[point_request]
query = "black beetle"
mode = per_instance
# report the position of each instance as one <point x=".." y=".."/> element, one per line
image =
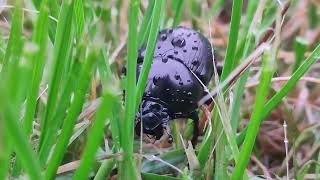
<point x="182" y="65"/>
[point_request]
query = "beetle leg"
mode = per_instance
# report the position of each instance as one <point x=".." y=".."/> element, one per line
<point x="194" y="116"/>
<point x="167" y="132"/>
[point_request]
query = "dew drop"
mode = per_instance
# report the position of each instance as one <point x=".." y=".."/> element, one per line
<point x="189" y="93"/>
<point x="178" y="41"/>
<point x="177" y="76"/>
<point x="178" y="90"/>
<point x="195" y="62"/>
<point x="182" y="100"/>
<point x="165" y="59"/>
<point x="167" y="89"/>
<point x="156" y="79"/>
<point x="195" y="48"/>
<point x="163" y="37"/>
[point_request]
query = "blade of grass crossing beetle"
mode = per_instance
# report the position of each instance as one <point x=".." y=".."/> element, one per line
<point x="75" y="109"/>
<point x="61" y="50"/>
<point x="126" y="167"/>
<point x="109" y="101"/>
<point x="155" y="24"/>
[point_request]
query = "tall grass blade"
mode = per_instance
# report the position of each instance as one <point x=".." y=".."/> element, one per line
<point x="17" y="136"/>
<point x="75" y="109"/>
<point x="126" y="167"/>
<point x="110" y="101"/>
<point x="61" y="54"/>
<point x="79" y="16"/>
<point x="40" y="38"/>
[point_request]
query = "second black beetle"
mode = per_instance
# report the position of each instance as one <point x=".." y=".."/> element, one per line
<point x="182" y="66"/>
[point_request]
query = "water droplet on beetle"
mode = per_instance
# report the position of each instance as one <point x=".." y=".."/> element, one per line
<point x="167" y="89"/>
<point x="178" y="90"/>
<point x="195" y="62"/>
<point x="189" y="93"/>
<point x="195" y="48"/>
<point x="177" y="76"/>
<point x="178" y="42"/>
<point x="165" y="59"/>
<point x="163" y="37"/>
<point x="156" y="79"/>
<point x="182" y="100"/>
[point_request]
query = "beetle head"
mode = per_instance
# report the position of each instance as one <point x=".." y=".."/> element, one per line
<point x="154" y="118"/>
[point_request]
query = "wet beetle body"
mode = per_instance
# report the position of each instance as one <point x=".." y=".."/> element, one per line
<point x="182" y="58"/>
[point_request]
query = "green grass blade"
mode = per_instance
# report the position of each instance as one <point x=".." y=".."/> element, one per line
<point x="105" y="169"/>
<point x="109" y="102"/>
<point x="221" y="160"/>
<point x="145" y="25"/>
<point x="253" y="127"/>
<point x="289" y="85"/>
<point x="178" y="13"/>
<point x="215" y="7"/>
<point x="126" y="168"/>
<point x="61" y="51"/>
<point x="17" y="136"/>
<point x="15" y="43"/>
<point x="40" y="38"/>
<point x="300" y="47"/>
<point x="75" y="109"/>
<point x="79" y="16"/>
<point x="155" y="23"/>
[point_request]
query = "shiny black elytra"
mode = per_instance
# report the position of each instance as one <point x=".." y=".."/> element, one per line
<point x="173" y="89"/>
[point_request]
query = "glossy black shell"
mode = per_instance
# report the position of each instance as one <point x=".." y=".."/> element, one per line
<point x="181" y="55"/>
